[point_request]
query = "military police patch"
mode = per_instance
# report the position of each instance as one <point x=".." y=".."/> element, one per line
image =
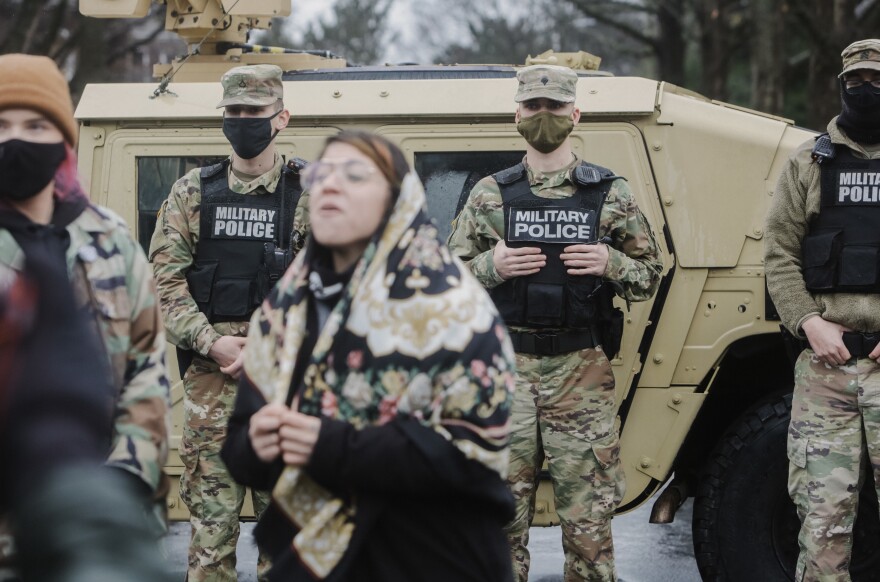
<point x="551" y="224"/>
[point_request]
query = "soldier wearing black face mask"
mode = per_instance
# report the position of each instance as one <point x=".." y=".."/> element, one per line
<point x="223" y="237"/>
<point x="822" y="253"/>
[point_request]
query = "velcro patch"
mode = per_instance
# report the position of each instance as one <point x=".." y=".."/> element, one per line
<point x="547" y="224"/>
<point x="858" y="188"/>
<point x="240" y="222"/>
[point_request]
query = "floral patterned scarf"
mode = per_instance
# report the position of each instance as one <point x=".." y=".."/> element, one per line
<point x="413" y="334"/>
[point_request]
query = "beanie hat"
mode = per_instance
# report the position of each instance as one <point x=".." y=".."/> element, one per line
<point x="34" y="82"/>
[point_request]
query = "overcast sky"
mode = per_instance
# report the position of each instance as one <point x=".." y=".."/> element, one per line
<point x="401" y="17"/>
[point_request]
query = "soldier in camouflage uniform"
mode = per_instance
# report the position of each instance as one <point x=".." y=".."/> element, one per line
<point x="545" y="238"/>
<point x="210" y="283"/>
<point x="43" y="209"/>
<point x="823" y="232"/>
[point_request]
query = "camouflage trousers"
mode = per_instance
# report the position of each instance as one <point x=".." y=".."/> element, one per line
<point x="210" y="493"/>
<point x="835" y="422"/>
<point x="564" y="410"/>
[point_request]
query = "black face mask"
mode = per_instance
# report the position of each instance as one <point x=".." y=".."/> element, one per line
<point x="27" y="167"/>
<point x="249" y="136"/>
<point x="860" y="117"/>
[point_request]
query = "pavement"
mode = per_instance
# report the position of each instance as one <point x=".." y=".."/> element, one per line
<point x="644" y="552"/>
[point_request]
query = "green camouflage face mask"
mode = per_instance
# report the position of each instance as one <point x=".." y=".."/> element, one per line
<point x="545" y="131"/>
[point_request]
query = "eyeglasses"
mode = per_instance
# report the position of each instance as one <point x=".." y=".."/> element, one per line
<point x="350" y="171"/>
<point x="855" y="83"/>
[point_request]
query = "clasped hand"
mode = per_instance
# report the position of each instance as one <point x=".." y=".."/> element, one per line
<point x="581" y="259"/>
<point x="276" y="430"/>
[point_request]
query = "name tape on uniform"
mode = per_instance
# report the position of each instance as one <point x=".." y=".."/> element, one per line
<point x="863" y="187"/>
<point x="242" y="222"/>
<point x="551" y="225"/>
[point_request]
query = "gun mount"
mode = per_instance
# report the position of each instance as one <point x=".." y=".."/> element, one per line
<point x="216" y="34"/>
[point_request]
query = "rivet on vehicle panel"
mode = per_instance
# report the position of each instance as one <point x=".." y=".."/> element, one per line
<point x="747" y="300"/>
<point x="759" y="231"/>
<point x="657" y="147"/>
<point x="383" y="94"/>
<point x="677" y="399"/>
<point x="97" y="135"/>
<point x="667" y="201"/>
<point x="645" y="462"/>
<point x="540" y="508"/>
<point x="658" y="358"/>
<point x="593" y="91"/>
<point x="337" y="94"/>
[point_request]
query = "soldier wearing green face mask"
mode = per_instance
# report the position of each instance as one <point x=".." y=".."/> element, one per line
<point x="554" y="239"/>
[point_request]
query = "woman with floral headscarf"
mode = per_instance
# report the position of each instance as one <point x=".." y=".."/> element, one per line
<point x="376" y="390"/>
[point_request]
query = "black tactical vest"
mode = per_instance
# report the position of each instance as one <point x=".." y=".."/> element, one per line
<point x="230" y="274"/>
<point x="552" y="298"/>
<point x="841" y="253"/>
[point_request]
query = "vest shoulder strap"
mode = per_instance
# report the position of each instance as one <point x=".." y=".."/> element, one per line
<point x="510" y="175"/>
<point x="213" y="178"/>
<point x="824" y="149"/>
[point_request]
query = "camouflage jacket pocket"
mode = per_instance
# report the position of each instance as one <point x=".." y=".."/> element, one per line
<point x="797" y="448"/>
<point x="607" y="450"/>
<point x="105" y="279"/>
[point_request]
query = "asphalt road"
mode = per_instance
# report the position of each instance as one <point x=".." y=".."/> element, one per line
<point x="644" y="552"/>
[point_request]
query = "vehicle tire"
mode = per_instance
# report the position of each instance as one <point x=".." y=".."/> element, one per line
<point x="745" y="525"/>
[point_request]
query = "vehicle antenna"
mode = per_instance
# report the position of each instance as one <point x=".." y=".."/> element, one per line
<point x="162" y="89"/>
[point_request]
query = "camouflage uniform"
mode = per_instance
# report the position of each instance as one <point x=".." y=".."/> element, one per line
<point x="835" y="416"/>
<point x="214" y="499"/>
<point x="564" y="404"/>
<point x="112" y="278"/>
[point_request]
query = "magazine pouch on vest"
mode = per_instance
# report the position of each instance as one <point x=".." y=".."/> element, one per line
<point x="551" y="298"/>
<point x="244" y="243"/>
<point x="841" y="253"/>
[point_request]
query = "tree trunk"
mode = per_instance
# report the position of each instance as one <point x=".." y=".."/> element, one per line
<point x="671" y="46"/>
<point x="767" y="55"/>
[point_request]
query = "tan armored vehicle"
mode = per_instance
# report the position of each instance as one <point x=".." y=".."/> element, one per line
<point x="704" y="378"/>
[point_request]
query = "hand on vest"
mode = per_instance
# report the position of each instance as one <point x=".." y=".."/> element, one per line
<point x="517" y="262"/>
<point x="227" y="351"/>
<point x="299" y="433"/>
<point x="586" y="259"/>
<point x="263" y="431"/>
<point x="826" y="339"/>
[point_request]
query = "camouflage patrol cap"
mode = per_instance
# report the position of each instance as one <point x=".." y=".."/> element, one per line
<point x="252" y="85"/>
<point x="862" y="54"/>
<point x="548" y="81"/>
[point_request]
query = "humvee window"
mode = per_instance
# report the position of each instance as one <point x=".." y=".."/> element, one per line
<point x="449" y="176"/>
<point x="155" y="176"/>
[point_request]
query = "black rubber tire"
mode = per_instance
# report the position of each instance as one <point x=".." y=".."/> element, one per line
<point x="745" y="525"/>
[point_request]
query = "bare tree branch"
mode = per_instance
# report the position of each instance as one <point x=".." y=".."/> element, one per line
<point x="590" y="9"/>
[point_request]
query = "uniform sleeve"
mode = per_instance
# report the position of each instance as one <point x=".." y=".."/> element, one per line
<point x="301" y="222"/>
<point x="142" y="416"/>
<point x="171" y="252"/>
<point x="477" y="230"/>
<point x="634" y="260"/>
<point x="786" y="227"/>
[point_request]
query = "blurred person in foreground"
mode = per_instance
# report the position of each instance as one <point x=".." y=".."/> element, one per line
<point x="44" y="210"/>
<point x="376" y="391"/>
<point x="822" y="253"/>
<point x="73" y="518"/>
